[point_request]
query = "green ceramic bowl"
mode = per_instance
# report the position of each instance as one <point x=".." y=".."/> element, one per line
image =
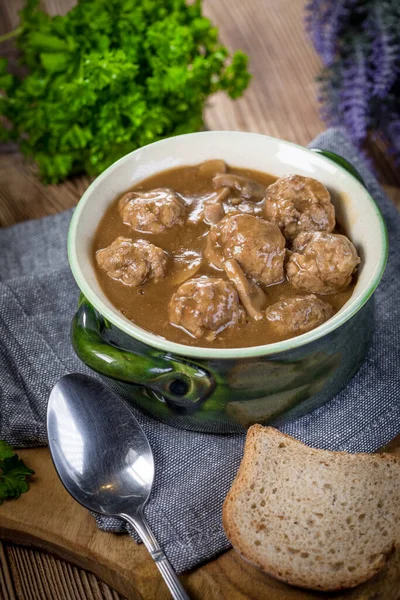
<point x="214" y="389"/>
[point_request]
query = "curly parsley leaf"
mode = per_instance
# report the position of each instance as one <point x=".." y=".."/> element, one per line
<point x="110" y="76"/>
<point x="13" y="473"/>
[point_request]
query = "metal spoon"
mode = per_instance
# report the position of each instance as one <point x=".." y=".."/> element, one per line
<point x="104" y="459"/>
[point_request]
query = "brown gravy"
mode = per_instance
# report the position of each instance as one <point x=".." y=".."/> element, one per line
<point x="147" y="305"/>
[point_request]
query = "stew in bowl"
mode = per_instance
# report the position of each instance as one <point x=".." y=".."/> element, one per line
<point x="215" y="256"/>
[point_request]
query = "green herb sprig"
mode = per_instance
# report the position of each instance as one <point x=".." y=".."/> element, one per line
<point x="13" y="473"/>
<point x="110" y="76"/>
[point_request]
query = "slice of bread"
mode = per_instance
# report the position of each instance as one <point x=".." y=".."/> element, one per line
<point x="313" y="518"/>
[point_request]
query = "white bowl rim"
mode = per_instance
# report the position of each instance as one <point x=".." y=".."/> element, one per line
<point x="276" y="348"/>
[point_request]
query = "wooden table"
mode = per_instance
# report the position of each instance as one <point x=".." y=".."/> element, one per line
<point x="281" y="102"/>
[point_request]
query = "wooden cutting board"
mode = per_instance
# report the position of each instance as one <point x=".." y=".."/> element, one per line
<point x="48" y="518"/>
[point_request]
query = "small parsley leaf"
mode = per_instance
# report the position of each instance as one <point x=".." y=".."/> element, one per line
<point x="13" y="473"/>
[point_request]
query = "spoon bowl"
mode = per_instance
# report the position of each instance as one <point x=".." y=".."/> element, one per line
<point x="101" y="454"/>
<point x="104" y="459"/>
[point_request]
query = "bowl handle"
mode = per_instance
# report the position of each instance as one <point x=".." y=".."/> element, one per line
<point x="182" y="384"/>
<point x="341" y="162"/>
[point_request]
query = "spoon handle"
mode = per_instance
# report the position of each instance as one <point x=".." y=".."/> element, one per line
<point x="141" y="526"/>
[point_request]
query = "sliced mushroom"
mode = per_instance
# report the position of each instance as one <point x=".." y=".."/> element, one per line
<point x="222" y="194"/>
<point x="251" y="295"/>
<point x="209" y="168"/>
<point x="185" y="266"/>
<point x="213" y="208"/>
<point x="213" y="212"/>
<point x="247" y="188"/>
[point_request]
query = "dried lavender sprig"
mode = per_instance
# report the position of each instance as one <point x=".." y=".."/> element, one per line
<point x="334" y="22"/>
<point x="313" y="24"/>
<point x="324" y="23"/>
<point x="385" y="52"/>
<point x="328" y="96"/>
<point x="355" y="92"/>
<point x="359" y="41"/>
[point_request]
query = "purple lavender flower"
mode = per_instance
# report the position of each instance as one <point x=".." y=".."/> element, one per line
<point x="385" y="52"/>
<point x="328" y="97"/>
<point x="355" y="91"/>
<point x="359" y="43"/>
<point x="313" y="25"/>
<point x="333" y="22"/>
<point x="324" y="22"/>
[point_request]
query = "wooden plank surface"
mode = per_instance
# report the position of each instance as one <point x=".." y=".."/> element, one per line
<point x="281" y="102"/>
<point x="47" y="517"/>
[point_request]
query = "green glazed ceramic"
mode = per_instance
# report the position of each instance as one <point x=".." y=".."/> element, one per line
<point x="227" y="390"/>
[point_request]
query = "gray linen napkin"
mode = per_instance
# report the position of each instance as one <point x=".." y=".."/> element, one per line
<point x="38" y="298"/>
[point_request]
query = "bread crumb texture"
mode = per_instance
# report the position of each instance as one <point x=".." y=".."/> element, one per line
<point x="313" y="518"/>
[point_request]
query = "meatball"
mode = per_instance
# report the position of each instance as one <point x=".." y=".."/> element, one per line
<point x="322" y="263"/>
<point x="132" y="262"/>
<point x="297" y="204"/>
<point x="258" y="247"/>
<point x="293" y="316"/>
<point x="205" y="306"/>
<point x="152" y="212"/>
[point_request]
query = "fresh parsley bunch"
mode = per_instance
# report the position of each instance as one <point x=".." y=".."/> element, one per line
<point x="110" y="76"/>
<point x="13" y="473"/>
